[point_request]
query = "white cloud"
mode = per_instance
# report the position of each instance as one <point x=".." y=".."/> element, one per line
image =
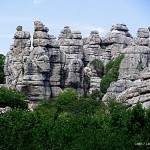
<point x="38" y="1"/>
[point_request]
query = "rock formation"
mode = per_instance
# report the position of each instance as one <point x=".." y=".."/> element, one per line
<point x="71" y="47"/>
<point x="133" y="67"/>
<point x="51" y="65"/>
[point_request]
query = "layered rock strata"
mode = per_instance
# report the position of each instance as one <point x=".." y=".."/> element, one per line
<point x="133" y="70"/>
<point x="51" y="65"/>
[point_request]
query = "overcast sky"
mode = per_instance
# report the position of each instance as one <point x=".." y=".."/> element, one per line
<point x="85" y="15"/>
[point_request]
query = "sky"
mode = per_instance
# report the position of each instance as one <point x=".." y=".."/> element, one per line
<point x="84" y="15"/>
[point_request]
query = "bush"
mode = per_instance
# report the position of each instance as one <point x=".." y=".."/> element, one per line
<point x="105" y="127"/>
<point x="97" y="95"/>
<point x="12" y="98"/>
<point x="69" y="101"/>
<point x="98" y="66"/>
<point x="2" y="75"/>
<point x="86" y="84"/>
<point x="111" y="73"/>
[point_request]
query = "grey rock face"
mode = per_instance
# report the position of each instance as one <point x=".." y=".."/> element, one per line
<point x="117" y="39"/>
<point x="143" y="33"/>
<point x="136" y="59"/>
<point x="120" y="27"/>
<point x="94" y="84"/>
<point x="92" y="49"/>
<point x="27" y="69"/>
<point x="133" y="80"/>
<point x="14" y="67"/>
<point x="116" y="88"/>
<point x="71" y="47"/>
<point x="142" y="37"/>
<point x="140" y="91"/>
<point x="4" y="110"/>
<point x="53" y="65"/>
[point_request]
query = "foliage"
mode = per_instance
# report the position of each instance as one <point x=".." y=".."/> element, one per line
<point x="2" y="75"/>
<point x="69" y="101"/>
<point x="13" y="98"/>
<point x="139" y="65"/>
<point x="72" y="122"/>
<point x="111" y="73"/>
<point x="96" y="94"/>
<point x="98" y="66"/>
<point x="85" y="63"/>
<point x="86" y="84"/>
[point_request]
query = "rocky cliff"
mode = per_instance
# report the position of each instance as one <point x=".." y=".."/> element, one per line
<point x="51" y="65"/>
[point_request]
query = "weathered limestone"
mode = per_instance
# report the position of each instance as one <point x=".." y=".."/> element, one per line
<point x="28" y="69"/>
<point x="94" y="84"/>
<point x="94" y="78"/>
<point x="56" y="60"/>
<point x="117" y="39"/>
<point x="37" y="66"/>
<point x="92" y="49"/>
<point x="139" y="91"/>
<point x="53" y="65"/>
<point x="142" y="38"/>
<point x="136" y="59"/>
<point x="133" y="80"/>
<point x="19" y="51"/>
<point x="4" y="110"/>
<point x="71" y="47"/>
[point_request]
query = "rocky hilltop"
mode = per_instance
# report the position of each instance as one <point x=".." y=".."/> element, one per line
<point x="51" y="65"/>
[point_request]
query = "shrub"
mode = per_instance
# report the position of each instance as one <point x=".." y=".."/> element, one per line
<point x="111" y="73"/>
<point x="62" y="102"/>
<point x="2" y="75"/>
<point x="69" y="101"/>
<point x="12" y="98"/>
<point x="97" y="95"/>
<point x="108" y="127"/>
<point x="98" y="66"/>
<point x="139" y="65"/>
<point x="86" y="84"/>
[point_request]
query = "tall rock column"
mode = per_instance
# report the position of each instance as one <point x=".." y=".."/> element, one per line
<point x="94" y="54"/>
<point x="71" y="47"/>
<point x="142" y="38"/>
<point x="117" y="39"/>
<point x="15" y="59"/>
<point x="37" y="68"/>
<point x="92" y="49"/>
<point x="56" y="60"/>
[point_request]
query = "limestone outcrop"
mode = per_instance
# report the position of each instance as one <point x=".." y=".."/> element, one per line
<point x="71" y="47"/>
<point x="117" y="39"/>
<point x="51" y="65"/>
<point x="139" y="91"/>
<point x="133" y="72"/>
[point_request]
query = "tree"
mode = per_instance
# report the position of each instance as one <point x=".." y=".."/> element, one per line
<point x="2" y="75"/>
<point x="13" y="98"/>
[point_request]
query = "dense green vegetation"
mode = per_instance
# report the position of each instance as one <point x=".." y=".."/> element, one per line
<point x="86" y="84"/>
<point x="13" y="98"/>
<point x="69" y="122"/>
<point x="111" y="73"/>
<point x="2" y="75"/>
<point x="98" y="66"/>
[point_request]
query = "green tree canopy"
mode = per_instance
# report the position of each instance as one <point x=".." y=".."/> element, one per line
<point x="2" y="75"/>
